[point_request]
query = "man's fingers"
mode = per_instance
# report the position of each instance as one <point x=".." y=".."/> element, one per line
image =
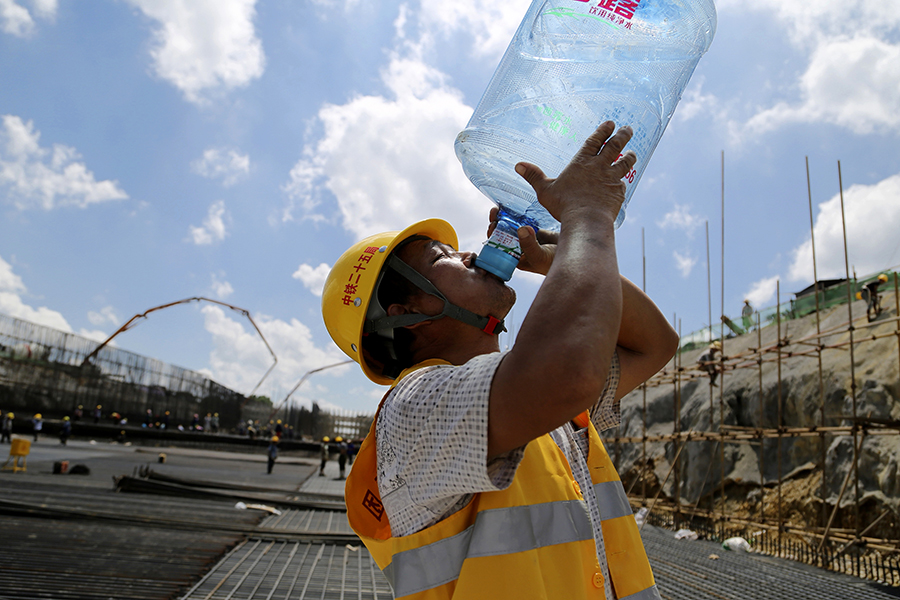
<point x="595" y="141"/>
<point x="616" y="144"/>
<point x="533" y="175"/>
<point x="622" y="166"/>
<point x="493" y="221"/>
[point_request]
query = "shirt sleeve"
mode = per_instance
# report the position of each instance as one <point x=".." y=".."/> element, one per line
<point x="431" y="438"/>
<point x="606" y="412"/>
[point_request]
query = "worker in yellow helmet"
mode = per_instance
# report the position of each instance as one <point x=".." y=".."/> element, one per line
<point x="37" y="424"/>
<point x="448" y="444"/>
<point x="6" y="423"/>
<point x="272" y="453"/>
<point x="870" y="294"/>
<point x="323" y="455"/>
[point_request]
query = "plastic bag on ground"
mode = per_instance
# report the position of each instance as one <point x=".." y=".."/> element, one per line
<point x="737" y="544"/>
<point x="685" y="534"/>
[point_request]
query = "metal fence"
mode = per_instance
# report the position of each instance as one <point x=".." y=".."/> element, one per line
<point x="44" y="370"/>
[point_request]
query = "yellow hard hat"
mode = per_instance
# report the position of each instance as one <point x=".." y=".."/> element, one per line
<point x="274" y="438"/>
<point x="350" y="286"/>
<point x="339" y="439"/>
<point x="65" y="418"/>
<point x="37" y="415"/>
<point x="717" y="345"/>
<point x="859" y="295"/>
<point x="279" y="420"/>
<point x="326" y="439"/>
<point x="883" y="278"/>
<point x="10" y="415"/>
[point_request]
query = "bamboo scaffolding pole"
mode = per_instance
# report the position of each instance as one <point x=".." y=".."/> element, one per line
<point x="722" y="352"/>
<point x="852" y="357"/>
<point x="822" y="446"/>
<point x="644" y="385"/>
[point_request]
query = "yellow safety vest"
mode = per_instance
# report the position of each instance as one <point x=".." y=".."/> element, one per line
<point x="533" y="540"/>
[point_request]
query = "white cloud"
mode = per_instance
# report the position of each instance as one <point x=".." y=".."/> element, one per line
<point x="313" y="277"/>
<point x="490" y="24"/>
<point x="681" y="218"/>
<point x="684" y="262"/>
<point x="853" y="83"/>
<point x="239" y="357"/>
<point x="215" y="225"/>
<point x="105" y="315"/>
<point x="221" y="289"/>
<point x="204" y="46"/>
<point x="390" y="161"/>
<point x="853" y="75"/>
<point x="873" y="219"/>
<point x="96" y="335"/>
<point x="46" y="177"/>
<point x="16" y="20"/>
<point x="11" y="291"/>
<point x="762" y="292"/>
<point x="226" y="164"/>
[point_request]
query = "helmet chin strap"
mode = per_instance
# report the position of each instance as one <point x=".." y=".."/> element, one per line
<point x="490" y="325"/>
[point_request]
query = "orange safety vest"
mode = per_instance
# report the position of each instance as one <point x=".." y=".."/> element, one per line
<point x="532" y="540"/>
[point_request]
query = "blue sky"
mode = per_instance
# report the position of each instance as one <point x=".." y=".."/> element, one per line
<point x="152" y="151"/>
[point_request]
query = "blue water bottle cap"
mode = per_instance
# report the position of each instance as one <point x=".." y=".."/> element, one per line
<point x="497" y="262"/>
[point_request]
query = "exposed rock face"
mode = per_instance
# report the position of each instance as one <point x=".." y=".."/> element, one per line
<point x="753" y="398"/>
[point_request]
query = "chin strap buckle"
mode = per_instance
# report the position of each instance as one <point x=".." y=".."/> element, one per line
<point x="493" y="325"/>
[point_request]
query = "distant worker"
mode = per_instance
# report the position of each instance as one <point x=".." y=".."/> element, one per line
<point x="272" y="453"/>
<point x="207" y="422"/>
<point x="342" y="454"/>
<point x="215" y="423"/>
<point x="78" y="413"/>
<point x="98" y="414"/>
<point x="323" y="452"/>
<point x="870" y="294"/>
<point x="65" y="431"/>
<point x="747" y="315"/>
<point x="37" y="423"/>
<point x="6" y="428"/>
<point x="709" y="362"/>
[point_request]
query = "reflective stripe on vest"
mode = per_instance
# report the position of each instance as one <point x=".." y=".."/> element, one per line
<point x="612" y="500"/>
<point x="651" y="593"/>
<point x="496" y="531"/>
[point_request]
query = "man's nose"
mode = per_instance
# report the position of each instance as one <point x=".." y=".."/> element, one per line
<point x="468" y="258"/>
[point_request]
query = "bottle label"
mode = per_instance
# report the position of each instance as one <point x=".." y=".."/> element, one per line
<point x="616" y="13"/>
<point x="505" y="242"/>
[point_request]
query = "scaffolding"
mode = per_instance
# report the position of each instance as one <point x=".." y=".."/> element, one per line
<point x="46" y="370"/>
<point x="850" y="531"/>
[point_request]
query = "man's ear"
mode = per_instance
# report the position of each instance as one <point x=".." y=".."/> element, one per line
<point x="399" y="309"/>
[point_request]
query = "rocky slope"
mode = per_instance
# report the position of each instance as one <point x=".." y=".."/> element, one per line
<point x="751" y="399"/>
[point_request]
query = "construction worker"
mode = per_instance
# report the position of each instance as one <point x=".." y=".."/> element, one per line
<point x="323" y="454"/>
<point x="37" y="424"/>
<point x="747" y="315"/>
<point x="342" y="454"/>
<point x="870" y="294"/>
<point x="6" y="428"/>
<point x="709" y="362"/>
<point x="272" y="453"/>
<point x="466" y="429"/>
<point x="65" y="430"/>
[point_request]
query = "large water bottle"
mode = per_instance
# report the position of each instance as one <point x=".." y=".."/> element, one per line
<point x="572" y="65"/>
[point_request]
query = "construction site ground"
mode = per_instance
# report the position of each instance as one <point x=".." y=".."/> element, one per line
<point x="69" y="536"/>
